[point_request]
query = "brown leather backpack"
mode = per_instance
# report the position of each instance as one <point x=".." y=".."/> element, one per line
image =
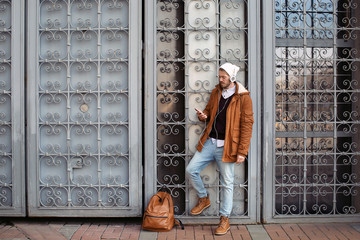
<point x="159" y="214"/>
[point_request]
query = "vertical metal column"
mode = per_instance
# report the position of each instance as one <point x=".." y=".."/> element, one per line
<point x="268" y="104"/>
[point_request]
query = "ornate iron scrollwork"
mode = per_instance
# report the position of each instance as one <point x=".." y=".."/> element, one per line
<point x="317" y="117"/>
<point x="83" y="100"/>
<point x="193" y="38"/>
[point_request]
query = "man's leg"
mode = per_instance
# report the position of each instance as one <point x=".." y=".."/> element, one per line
<point x="226" y="198"/>
<point x="196" y="165"/>
<point x="199" y="161"/>
<point x="227" y="187"/>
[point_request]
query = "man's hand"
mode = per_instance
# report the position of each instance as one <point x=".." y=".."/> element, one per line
<point x="200" y="115"/>
<point x="240" y="159"/>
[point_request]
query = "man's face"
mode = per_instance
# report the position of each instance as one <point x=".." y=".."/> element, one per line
<point x="224" y="80"/>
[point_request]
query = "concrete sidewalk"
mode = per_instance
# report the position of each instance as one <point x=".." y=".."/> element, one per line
<point x="47" y="229"/>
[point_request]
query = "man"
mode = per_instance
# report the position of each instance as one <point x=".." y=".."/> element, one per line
<point x="226" y="139"/>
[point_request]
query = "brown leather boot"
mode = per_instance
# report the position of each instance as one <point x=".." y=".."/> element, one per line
<point x="202" y="204"/>
<point x="224" y="226"/>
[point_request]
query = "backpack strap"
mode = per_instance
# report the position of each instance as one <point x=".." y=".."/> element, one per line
<point x="179" y="223"/>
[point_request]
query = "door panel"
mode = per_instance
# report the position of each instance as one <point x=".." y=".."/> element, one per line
<point x="12" y="160"/>
<point x="186" y="41"/>
<point x="84" y="70"/>
<point x="315" y="118"/>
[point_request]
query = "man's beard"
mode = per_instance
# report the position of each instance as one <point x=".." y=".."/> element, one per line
<point x="224" y="85"/>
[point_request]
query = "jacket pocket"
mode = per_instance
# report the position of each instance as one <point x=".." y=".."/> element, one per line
<point x="235" y="141"/>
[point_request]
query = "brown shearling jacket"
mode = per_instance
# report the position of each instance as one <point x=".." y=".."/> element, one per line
<point x="239" y="122"/>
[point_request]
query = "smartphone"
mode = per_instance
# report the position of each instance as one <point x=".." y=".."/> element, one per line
<point x="197" y="110"/>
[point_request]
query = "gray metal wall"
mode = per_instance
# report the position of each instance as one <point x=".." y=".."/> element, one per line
<point x="86" y="105"/>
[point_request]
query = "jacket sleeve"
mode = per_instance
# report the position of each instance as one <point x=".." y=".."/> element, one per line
<point x="246" y="124"/>
<point x="209" y="106"/>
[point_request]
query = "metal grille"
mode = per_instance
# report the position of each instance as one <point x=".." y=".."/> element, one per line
<point x="83" y="99"/>
<point x="193" y="38"/>
<point x="316" y="108"/>
<point x="6" y="158"/>
<point x="12" y="198"/>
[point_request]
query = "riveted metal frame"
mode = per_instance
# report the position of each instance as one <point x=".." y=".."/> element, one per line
<point x="17" y="113"/>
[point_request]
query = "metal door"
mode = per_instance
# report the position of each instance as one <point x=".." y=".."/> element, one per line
<point x="186" y="41"/>
<point x="84" y="108"/>
<point x="12" y="160"/>
<point x="311" y="120"/>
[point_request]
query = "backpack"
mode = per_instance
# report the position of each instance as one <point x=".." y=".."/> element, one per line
<point x="159" y="214"/>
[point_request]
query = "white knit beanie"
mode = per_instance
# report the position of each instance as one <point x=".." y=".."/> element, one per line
<point x="231" y="69"/>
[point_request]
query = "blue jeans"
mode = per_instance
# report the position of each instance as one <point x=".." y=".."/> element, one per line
<point x="200" y="160"/>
